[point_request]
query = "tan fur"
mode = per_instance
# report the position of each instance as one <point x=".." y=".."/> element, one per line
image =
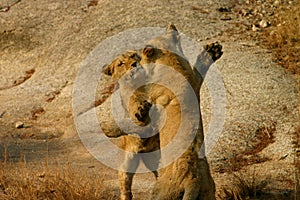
<point x="122" y="64"/>
<point x="189" y="176"/>
<point x="138" y="112"/>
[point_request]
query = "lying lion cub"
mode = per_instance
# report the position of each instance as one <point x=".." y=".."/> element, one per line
<point x="158" y="112"/>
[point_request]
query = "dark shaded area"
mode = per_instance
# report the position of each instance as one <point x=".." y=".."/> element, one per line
<point x="31" y="150"/>
<point x="8" y="5"/>
<point x="16" y="39"/>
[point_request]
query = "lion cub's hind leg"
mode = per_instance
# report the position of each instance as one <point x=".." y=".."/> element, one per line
<point x="126" y="173"/>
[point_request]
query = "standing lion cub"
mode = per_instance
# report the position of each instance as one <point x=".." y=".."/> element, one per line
<point x="138" y="137"/>
<point x="188" y="177"/>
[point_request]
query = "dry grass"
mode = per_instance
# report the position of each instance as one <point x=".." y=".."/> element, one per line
<point x="39" y="181"/>
<point x="284" y="37"/>
<point x="297" y="161"/>
<point x="242" y="188"/>
<point x="296" y="144"/>
<point x="263" y="137"/>
<point x="249" y="186"/>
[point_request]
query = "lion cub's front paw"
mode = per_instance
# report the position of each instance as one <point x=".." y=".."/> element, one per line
<point x="214" y="50"/>
<point x="143" y="112"/>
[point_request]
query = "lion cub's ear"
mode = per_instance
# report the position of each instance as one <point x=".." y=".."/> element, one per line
<point x="108" y="70"/>
<point x="148" y="51"/>
<point x="171" y="27"/>
<point x="134" y="55"/>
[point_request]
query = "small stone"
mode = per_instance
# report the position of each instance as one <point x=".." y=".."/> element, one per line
<point x="255" y="28"/>
<point x="255" y="11"/>
<point x="41" y="175"/>
<point x="271" y="13"/>
<point x="19" y="125"/>
<point x="2" y="114"/>
<point x="224" y="9"/>
<point x="283" y="157"/>
<point x="276" y="3"/>
<point x="245" y="12"/>
<point x="272" y="33"/>
<point x="226" y="18"/>
<point x="263" y="24"/>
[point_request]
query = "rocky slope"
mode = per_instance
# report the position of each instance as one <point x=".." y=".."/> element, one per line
<point x="42" y="45"/>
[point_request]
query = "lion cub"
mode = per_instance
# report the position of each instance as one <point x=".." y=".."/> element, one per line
<point x="186" y="176"/>
<point x="139" y="137"/>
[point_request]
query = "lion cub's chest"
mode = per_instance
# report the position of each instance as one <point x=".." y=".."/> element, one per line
<point x="161" y="95"/>
<point x="134" y="144"/>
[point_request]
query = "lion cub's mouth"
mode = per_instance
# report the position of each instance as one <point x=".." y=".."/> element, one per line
<point x="135" y="71"/>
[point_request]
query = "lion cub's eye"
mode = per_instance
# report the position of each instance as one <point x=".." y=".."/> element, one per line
<point x="134" y="64"/>
<point x="120" y="63"/>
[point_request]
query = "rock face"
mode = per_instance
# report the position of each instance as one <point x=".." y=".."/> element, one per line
<point x="43" y="44"/>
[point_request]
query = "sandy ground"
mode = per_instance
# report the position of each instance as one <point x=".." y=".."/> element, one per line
<point x="42" y="45"/>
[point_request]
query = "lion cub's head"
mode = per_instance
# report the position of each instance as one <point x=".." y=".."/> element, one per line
<point x="122" y="64"/>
